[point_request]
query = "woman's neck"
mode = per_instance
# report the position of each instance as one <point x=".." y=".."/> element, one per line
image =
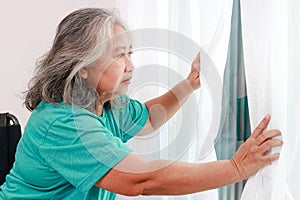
<point x="99" y="110"/>
<point x="105" y="97"/>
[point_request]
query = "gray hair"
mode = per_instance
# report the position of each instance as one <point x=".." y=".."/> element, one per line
<point x="78" y="44"/>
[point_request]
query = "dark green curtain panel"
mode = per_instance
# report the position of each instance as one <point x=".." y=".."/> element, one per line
<point x="235" y="126"/>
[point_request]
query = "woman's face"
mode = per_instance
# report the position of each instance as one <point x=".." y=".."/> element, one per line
<point x="112" y="73"/>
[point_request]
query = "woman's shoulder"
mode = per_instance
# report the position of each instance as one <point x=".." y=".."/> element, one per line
<point x="50" y="109"/>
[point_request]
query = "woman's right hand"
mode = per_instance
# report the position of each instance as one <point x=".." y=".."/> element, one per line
<point x="253" y="154"/>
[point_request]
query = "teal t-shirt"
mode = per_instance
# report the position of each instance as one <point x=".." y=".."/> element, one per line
<point x="65" y="150"/>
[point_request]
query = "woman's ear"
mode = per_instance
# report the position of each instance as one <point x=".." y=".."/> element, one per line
<point x="83" y="73"/>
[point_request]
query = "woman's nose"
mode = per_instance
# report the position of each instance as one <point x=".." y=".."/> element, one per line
<point x="129" y="64"/>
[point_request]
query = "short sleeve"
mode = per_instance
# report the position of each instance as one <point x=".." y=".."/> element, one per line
<point x="82" y="150"/>
<point x="135" y="116"/>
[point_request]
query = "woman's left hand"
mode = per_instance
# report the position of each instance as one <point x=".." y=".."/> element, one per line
<point x="194" y="76"/>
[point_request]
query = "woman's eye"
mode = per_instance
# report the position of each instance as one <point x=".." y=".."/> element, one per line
<point x="121" y="55"/>
<point x="130" y="53"/>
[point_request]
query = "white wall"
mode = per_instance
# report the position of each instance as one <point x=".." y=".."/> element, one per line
<point x="27" y="32"/>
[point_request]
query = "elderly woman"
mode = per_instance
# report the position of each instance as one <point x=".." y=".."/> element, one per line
<point x="73" y="144"/>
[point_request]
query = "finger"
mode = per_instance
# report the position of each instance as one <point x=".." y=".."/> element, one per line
<point x="262" y="126"/>
<point x="267" y="135"/>
<point x="197" y="59"/>
<point x="268" y="145"/>
<point x="196" y="62"/>
<point x="270" y="158"/>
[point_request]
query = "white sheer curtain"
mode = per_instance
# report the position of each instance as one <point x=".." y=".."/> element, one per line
<point x="207" y="23"/>
<point x="271" y="47"/>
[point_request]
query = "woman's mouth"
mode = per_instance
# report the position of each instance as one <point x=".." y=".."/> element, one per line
<point x="127" y="80"/>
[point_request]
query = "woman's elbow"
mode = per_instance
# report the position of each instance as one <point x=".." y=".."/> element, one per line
<point x="126" y="186"/>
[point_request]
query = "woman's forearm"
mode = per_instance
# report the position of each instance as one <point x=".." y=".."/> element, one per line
<point x="185" y="178"/>
<point x="163" y="177"/>
<point x="162" y="108"/>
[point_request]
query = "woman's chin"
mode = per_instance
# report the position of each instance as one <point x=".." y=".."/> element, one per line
<point x="122" y="90"/>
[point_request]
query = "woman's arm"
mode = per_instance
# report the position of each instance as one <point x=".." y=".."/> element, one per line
<point x="162" y="108"/>
<point x="165" y="178"/>
<point x="135" y="176"/>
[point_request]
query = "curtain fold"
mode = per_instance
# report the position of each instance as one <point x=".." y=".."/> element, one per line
<point x="235" y="125"/>
<point x="271" y="44"/>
